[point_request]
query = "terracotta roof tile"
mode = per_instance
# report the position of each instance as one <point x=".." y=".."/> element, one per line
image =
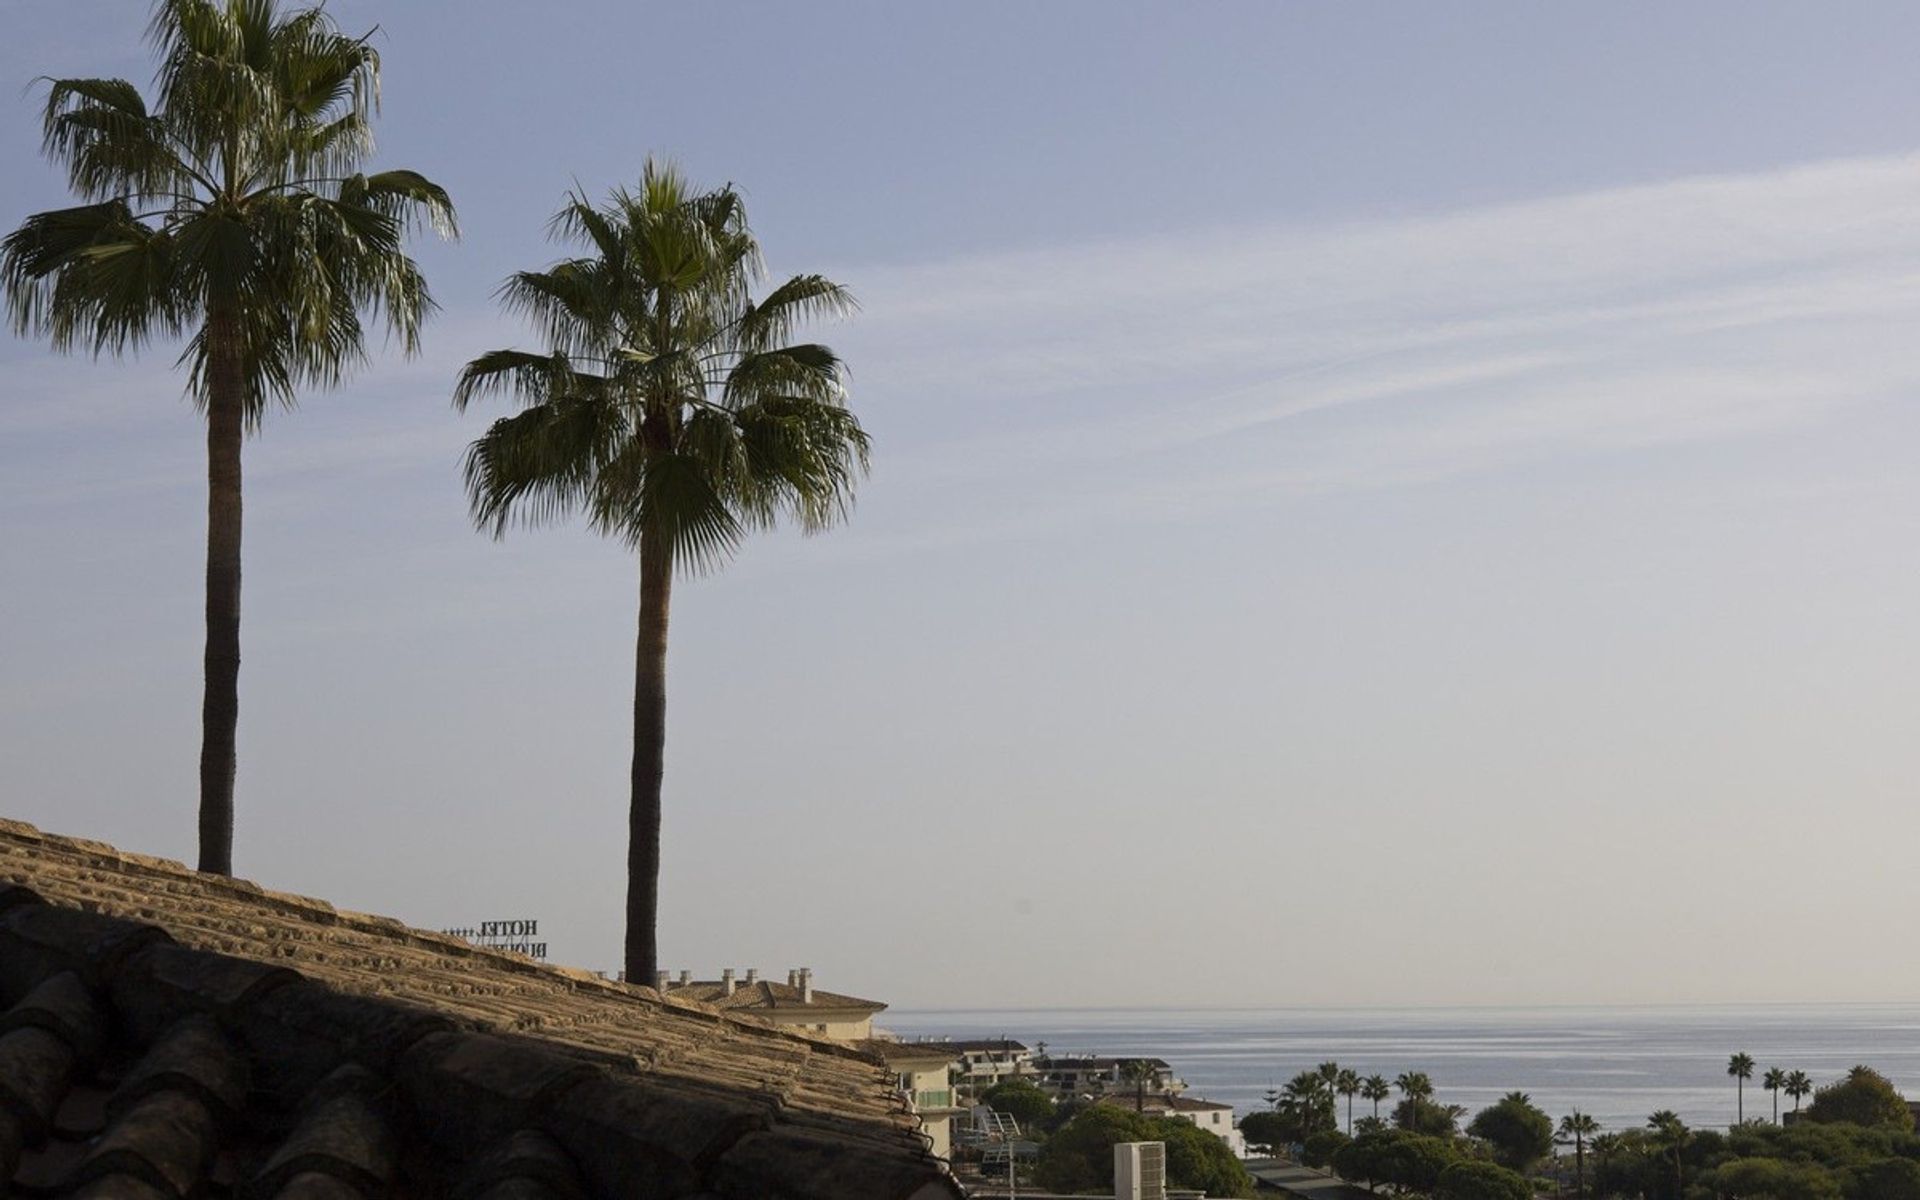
<point x="164" y="1032"/>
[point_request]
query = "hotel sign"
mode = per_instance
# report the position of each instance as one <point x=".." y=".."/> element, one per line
<point x="515" y="935"/>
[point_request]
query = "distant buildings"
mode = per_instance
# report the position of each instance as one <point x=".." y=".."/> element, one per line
<point x="795" y="1003"/>
<point x="923" y="1071"/>
<point x="1091" y="1076"/>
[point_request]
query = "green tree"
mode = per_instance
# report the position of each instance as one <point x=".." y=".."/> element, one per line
<point x="1864" y="1097"/>
<point x="1740" y="1066"/>
<point x="1773" y="1081"/>
<point x="1577" y="1127"/>
<point x="1670" y="1135"/>
<point x="1409" y="1161"/>
<point x="1884" y="1179"/>
<point x="1469" y="1180"/>
<point x="1773" y="1179"/>
<point x="1519" y="1132"/>
<point x="1799" y="1086"/>
<point x="1348" y="1085"/>
<point x="673" y="412"/>
<point x="1020" y="1100"/>
<point x="1417" y="1089"/>
<point x="1308" y="1104"/>
<point x="1268" y="1129"/>
<point x="1138" y="1071"/>
<point x="233" y="211"/>
<point x="1079" y="1156"/>
<point x="1318" y="1150"/>
<point x="1375" y="1088"/>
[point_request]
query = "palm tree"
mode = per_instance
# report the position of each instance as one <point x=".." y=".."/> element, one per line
<point x="1375" y="1088"/>
<point x="1773" y="1081"/>
<point x="1740" y="1066"/>
<point x="1579" y="1126"/>
<point x="1799" y="1087"/>
<point x="1417" y="1088"/>
<point x="1671" y="1135"/>
<point x="1348" y="1085"/>
<point x="1138" y="1071"/>
<point x="233" y="212"/>
<point x="670" y="410"/>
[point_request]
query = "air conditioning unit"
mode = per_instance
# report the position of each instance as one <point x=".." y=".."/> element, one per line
<point x="1140" y="1171"/>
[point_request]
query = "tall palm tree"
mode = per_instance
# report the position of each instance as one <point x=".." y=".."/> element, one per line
<point x="231" y="211"/>
<point x="1740" y="1066"/>
<point x="1348" y="1085"/>
<point x="1671" y="1135"/>
<point x="1375" y="1088"/>
<point x="1799" y="1086"/>
<point x="1417" y="1088"/>
<point x="1773" y="1081"/>
<point x="672" y="411"/>
<point x="1579" y="1126"/>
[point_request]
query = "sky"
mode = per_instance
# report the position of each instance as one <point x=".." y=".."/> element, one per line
<point x="1372" y="504"/>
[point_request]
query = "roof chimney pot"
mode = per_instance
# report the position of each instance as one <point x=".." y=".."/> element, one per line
<point x="726" y="982"/>
<point x="806" y="985"/>
<point x="753" y="975"/>
<point x="686" y="978"/>
<point x="660" y="979"/>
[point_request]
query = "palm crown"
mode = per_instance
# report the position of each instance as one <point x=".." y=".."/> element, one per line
<point x="670" y="402"/>
<point x="237" y="199"/>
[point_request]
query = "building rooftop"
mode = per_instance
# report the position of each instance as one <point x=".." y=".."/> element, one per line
<point x="1164" y="1102"/>
<point x="893" y="1051"/>
<point x="987" y="1046"/>
<point x="166" y="1033"/>
<point x="767" y="994"/>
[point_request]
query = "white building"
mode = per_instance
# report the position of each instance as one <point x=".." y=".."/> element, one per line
<point x="1215" y="1118"/>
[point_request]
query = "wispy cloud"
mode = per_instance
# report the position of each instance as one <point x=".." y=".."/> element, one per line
<point x="1088" y="381"/>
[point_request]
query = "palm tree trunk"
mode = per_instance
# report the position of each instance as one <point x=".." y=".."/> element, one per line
<point x="220" y="699"/>
<point x="1579" y="1167"/>
<point x="649" y="759"/>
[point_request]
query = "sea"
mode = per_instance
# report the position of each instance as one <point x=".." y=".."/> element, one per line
<point x="1617" y="1064"/>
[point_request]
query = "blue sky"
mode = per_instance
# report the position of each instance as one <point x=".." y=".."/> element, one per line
<point x="1381" y="503"/>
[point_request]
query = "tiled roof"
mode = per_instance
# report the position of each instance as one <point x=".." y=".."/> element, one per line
<point x="891" y="1050"/>
<point x="166" y="1034"/>
<point x="765" y="993"/>
<point x="988" y="1045"/>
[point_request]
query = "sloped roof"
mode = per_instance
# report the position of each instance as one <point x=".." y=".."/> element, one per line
<point x="165" y="1032"/>
<point x="893" y="1050"/>
<point x="765" y="993"/>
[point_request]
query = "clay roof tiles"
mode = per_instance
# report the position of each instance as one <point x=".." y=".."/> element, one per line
<point x="166" y="1034"/>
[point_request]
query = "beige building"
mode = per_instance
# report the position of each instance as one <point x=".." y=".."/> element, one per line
<point x="795" y="1003"/>
<point x="925" y="1079"/>
<point x="922" y="1071"/>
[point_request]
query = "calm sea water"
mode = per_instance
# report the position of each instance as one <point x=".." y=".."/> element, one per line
<point x="1617" y="1063"/>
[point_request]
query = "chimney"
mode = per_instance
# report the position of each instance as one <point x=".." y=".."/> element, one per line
<point x="726" y="982"/>
<point x="660" y="980"/>
<point x="686" y="978"/>
<point x="793" y="976"/>
<point x="806" y="985"/>
<point x="753" y="975"/>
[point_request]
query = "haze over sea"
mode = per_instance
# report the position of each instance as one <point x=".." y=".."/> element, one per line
<point x="1619" y="1064"/>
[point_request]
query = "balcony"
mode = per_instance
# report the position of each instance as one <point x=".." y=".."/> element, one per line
<point x="940" y="1098"/>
